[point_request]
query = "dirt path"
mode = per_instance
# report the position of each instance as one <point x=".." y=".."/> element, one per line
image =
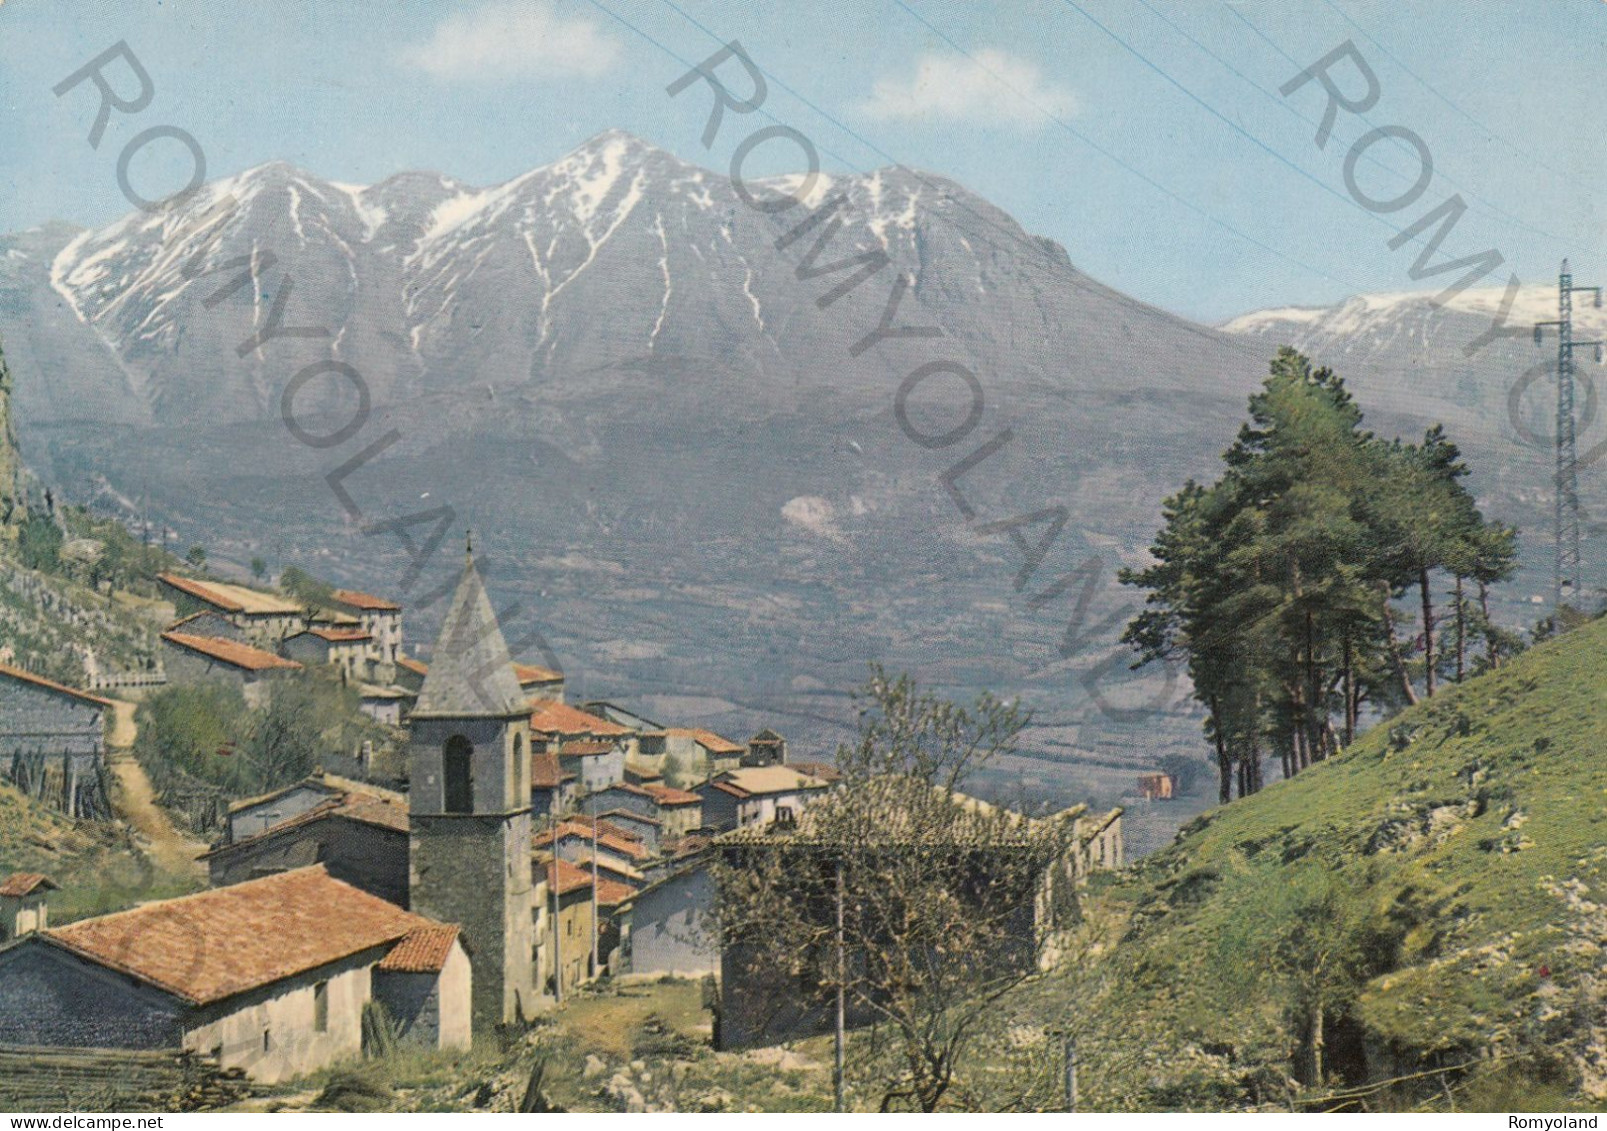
<point x="170" y="850"/>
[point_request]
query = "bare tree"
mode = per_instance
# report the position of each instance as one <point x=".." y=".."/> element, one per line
<point x="896" y="903"/>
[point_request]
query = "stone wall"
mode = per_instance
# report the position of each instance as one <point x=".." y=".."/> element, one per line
<point x="50" y="997"/>
<point x="475" y="871"/>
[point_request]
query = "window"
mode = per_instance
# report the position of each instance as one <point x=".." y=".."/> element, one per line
<point x="458" y="764"/>
<point x="267" y="1040"/>
<point x="521" y="766"/>
<point x="320" y="1007"/>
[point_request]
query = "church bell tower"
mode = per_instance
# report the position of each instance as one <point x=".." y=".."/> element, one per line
<point x="469" y="804"/>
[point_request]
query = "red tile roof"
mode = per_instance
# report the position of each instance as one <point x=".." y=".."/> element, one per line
<point x="424" y="950"/>
<point x="417" y="667"/>
<point x="630" y="815"/>
<point x="357" y="599"/>
<point x="545" y="773"/>
<point x="52" y="685"/>
<point x="611" y="893"/>
<point x="206" y="947"/>
<point x="617" y="841"/>
<point x="231" y="652"/>
<point x="530" y="673"/>
<point x="340" y="635"/>
<point x="628" y="787"/>
<point x="668" y="795"/>
<point x="564" y="877"/>
<point x="585" y="748"/>
<point x="19" y="884"/>
<point x="707" y="738"/>
<point x="364" y="808"/>
<point x="232" y="598"/>
<point x="562" y="719"/>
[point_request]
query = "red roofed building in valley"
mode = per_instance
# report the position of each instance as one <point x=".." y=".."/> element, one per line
<point x="382" y="621"/>
<point x="191" y="659"/>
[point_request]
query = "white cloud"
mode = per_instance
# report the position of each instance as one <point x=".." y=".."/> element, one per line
<point x="991" y="87"/>
<point x="514" y="39"/>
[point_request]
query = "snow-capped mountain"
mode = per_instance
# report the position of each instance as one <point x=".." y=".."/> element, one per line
<point x="1470" y="361"/>
<point x="650" y="401"/>
<point x="618" y="255"/>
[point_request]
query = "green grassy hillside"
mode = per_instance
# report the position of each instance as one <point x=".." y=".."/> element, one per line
<point x="1435" y="895"/>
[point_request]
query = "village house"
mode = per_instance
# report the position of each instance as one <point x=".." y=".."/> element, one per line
<point x="566" y="927"/>
<point x="53" y="742"/>
<point x="698" y="753"/>
<point x="265" y="618"/>
<point x="1156" y="787"/>
<point x="680" y="811"/>
<point x="617" y="851"/>
<point x="1100" y="843"/>
<point x="383" y="704"/>
<point x="270" y="976"/>
<point x="767" y="748"/>
<point x="346" y="649"/>
<point x="677" y="812"/>
<point x="24" y="904"/>
<point x="191" y="659"/>
<point x="596" y="762"/>
<point x="553" y="787"/>
<point x="555" y="723"/>
<point x="382" y="621"/>
<point x="410" y="673"/>
<point x="1041" y="903"/>
<point x="540" y="685"/>
<point x="359" y="833"/>
<point x="757" y="796"/>
<point x="671" y="930"/>
<point x="625" y="795"/>
<point x="649" y="830"/>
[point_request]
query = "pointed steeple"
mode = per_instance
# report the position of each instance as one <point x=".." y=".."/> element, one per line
<point x="471" y="673"/>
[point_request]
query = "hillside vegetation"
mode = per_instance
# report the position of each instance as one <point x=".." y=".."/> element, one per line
<point x="1418" y="920"/>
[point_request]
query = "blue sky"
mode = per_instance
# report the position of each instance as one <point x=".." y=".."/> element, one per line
<point x="1147" y="136"/>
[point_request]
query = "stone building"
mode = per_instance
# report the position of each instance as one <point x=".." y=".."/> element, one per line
<point x="696" y="752"/>
<point x="671" y="927"/>
<point x="758" y="796"/>
<point x="53" y="742"/>
<point x="566" y="924"/>
<point x="767" y="748"/>
<point x="269" y="976"/>
<point x="553" y="787"/>
<point x="469" y="803"/>
<point x="596" y="762"/>
<point x="191" y="659"/>
<point x="680" y="811"/>
<point x="347" y="649"/>
<point x="24" y="904"/>
<point x="553" y="724"/>
<point x="619" y="853"/>
<point x="360" y="835"/>
<point x="381" y="620"/>
<point x="265" y="618"/>
<point x="1034" y="896"/>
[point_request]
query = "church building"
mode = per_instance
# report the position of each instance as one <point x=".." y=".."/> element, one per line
<point x="469" y="804"/>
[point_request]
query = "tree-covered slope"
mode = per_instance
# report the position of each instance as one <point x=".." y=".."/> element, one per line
<point x="1435" y="894"/>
